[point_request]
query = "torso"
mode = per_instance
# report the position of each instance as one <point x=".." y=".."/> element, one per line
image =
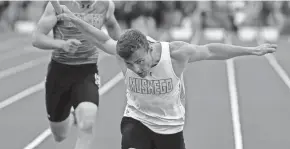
<point x="87" y="52"/>
<point x="157" y="100"/>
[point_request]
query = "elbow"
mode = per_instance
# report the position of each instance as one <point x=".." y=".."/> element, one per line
<point x="34" y="43"/>
<point x="114" y="31"/>
<point x="34" y="40"/>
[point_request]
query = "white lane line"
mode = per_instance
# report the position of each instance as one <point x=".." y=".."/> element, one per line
<point x="234" y="101"/>
<point x="105" y="88"/>
<point x="39" y="86"/>
<point x="276" y="66"/>
<point x="20" y="95"/>
<point x="17" y="53"/>
<point x="24" y="66"/>
<point x="13" y="54"/>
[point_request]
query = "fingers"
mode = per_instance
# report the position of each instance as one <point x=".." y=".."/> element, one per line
<point x="73" y="45"/>
<point x="271" y="45"/>
<point x="75" y="42"/>
<point x="62" y="17"/>
<point x="270" y="50"/>
<point x="71" y="49"/>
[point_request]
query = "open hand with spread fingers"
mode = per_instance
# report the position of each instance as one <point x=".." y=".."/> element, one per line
<point x="265" y="49"/>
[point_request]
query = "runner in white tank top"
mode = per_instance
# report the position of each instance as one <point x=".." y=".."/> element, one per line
<point x="154" y="116"/>
<point x="157" y="100"/>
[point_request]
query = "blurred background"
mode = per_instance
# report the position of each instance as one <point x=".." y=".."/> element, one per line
<point x="218" y="92"/>
<point x="162" y="19"/>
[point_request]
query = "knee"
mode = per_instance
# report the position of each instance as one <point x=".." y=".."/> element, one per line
<point x="60" y="130"/>
<point x="86" y="114"/>
<point x="58" y="135"/>
<point x="59" y="138"/>
<point x="86" y="125"/>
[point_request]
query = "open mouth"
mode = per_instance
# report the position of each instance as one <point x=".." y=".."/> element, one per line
<point x="142" y="74"/>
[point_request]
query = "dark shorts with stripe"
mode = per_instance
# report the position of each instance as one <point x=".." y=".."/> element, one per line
<point x="67" y="86"/>
<point x="136" y="135"/>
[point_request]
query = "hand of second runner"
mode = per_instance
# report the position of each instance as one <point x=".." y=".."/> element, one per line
<point x="66" y="14"/>
<point x="70" y="45"/>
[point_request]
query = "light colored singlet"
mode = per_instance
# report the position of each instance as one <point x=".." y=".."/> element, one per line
<point x="158" y="100"/>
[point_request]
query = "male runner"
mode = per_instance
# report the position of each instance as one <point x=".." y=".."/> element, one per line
<point x="155" y="114"/>
<point x="72" y="78"/>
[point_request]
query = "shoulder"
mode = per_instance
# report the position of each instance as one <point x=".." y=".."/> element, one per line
<point x="150" y="39"/>
<point x="180" y="50"/>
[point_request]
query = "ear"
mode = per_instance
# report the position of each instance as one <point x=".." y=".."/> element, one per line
<point x="150" y="49"/>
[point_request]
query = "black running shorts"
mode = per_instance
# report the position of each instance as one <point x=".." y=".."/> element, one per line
<point x="136" y="135"/>
<point x="69" y="85"/>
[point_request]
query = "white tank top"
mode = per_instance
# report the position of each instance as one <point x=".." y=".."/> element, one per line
<point x="158" y="99"/>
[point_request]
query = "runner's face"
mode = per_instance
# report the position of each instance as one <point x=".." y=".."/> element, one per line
<point x="140" y="62"/>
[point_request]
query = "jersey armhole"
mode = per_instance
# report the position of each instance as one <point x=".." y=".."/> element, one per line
<point x="122" y="66"/>
<point x="125" y="73"/>
<point x="170" y="59"/>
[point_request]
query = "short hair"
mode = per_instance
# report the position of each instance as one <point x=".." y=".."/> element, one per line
<point x="131" y="41"/>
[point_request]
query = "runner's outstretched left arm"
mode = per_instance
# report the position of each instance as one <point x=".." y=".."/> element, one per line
<point x="216" y="51"/>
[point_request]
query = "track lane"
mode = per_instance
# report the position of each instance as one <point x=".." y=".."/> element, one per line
<point x="283" y="53"/>
<point x="22" y="121"/>
<point x="208" y="123"/>
<point x="213" y="121"/>
<point x="12" y="43"/>
<point x="264" y="120"/>
<point x="263" y="102"/>
<point x="22" y="80"/>
<point x="32" y="56"/>
<point x="105" y="60"/>
<point x="108" y="123"/>
<point x="15" y="113"/>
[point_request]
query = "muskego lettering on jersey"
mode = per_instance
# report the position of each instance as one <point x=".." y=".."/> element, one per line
<point x="153" y="87"/>
<point x="94" y="19"/>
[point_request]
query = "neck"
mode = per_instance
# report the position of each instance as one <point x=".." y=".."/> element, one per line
<point x="155" y="54"/>
<point x="85" y="4"/>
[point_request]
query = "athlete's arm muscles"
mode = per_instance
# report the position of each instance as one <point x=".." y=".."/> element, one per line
<point x="121" y="64"/>
<point x="98" y="37"/>
<point x="40" y="37"/>
<point x="212" y="51"/>
<point x="112" y="24"/>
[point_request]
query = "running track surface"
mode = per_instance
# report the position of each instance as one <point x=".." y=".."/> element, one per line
<point x="263" y="96"/>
